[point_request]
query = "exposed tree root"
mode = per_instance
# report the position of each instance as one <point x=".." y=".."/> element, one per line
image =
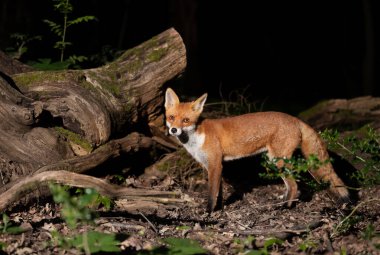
<point x="27" y="185"/>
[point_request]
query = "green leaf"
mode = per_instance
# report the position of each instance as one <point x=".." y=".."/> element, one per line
<point x="105" y="201"/>
<point x="3" y="246"/>
<point x="8" y="228"/>
<point x="255" y="252"/>
<point x="182" y="228"/>
<point x="80" y="20"/>
<point x="54" y="27"/>
<point x="14" y="230"/>
<point x="269" y="242"/>
<point x="61" y="45"/>
<point x="103" y="242"/>
<point x="97" y="242"/>
<point x="183" y="246"/>
<point x="5" y="221"/>
<point x="63" y="6"/>
<point x="369" y="232"/>
<point x="46" y="64"/>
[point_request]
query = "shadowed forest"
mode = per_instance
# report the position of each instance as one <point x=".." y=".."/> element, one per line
<point x="301" y="52"/>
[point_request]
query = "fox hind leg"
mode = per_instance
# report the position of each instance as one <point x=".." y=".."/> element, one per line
<point x="291" y="192"/>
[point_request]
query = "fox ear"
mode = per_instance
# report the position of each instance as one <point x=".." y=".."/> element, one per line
<point x="171" y="99"/>
<point x="198" y="104"/>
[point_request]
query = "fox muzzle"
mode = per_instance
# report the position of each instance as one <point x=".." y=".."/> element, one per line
<point x="175" y="131"/>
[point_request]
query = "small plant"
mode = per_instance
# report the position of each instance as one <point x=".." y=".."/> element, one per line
<point x="370" y="234"/>
<point x="269" y="243"/>
<point x="3" y="246"/>
<point x="361" y="148"/>
<point x="65" y="8"/>
<point x="307" y="245"/>
<point x="77" y="209"/>
<point x="346" y="225"/>
<point x="90" y="242"/>
<point x="117" y="179"/>
<point x="241" y="245"/>
<point x="351" y="219"/>
<point x="183" y="246"/>
<point x="295" y="167"/>
<point x="74" y="208"/>
<point x="20" y="44"/>
<point x="6" y="227"/>
<point x="343" y="251"/>
<point x="176" y="246"/>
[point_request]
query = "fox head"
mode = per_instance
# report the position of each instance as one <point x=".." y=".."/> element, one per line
<point x="181" y="118"/>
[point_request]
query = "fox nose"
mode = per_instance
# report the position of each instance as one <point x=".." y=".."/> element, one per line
<point x="174" y="130"/>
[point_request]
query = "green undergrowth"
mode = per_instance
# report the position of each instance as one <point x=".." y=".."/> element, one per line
<point x="76" y="210"/>
<point x="79" y="208"/>
<point x="362" y="149"/>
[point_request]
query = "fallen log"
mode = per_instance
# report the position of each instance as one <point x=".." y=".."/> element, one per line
<point x="344" y="113"/>
<point x="45" y="116"/>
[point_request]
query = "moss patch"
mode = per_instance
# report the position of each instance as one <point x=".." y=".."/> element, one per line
<point x="28" y="79"/>
<point x="312" y="111"/>
<point x="157" y="54"/>
<point x="75" y="138"/>
<point x="111" y="85"/>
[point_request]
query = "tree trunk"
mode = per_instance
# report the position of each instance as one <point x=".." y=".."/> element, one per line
<point x="52" y="114"/>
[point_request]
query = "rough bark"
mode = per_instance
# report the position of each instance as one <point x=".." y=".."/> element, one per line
<point x="23" y="147"/>
<point x="352" y="113"/>
<point x="88" y="107"/>
<point x="128" y="145"/>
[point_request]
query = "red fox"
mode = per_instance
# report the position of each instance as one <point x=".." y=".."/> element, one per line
<point x="211" y="141"/>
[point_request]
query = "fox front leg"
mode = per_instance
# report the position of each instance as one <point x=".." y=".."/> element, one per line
<point x="214" y="181"/>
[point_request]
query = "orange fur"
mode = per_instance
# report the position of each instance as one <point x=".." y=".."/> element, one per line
<point x="213" y="140"/>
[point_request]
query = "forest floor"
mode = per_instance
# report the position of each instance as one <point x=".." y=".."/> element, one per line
<point x="252" y="214"/>
<point x="253" y="220"/>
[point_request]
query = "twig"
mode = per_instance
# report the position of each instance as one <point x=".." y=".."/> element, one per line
<point x="350" y="215"/>
<point x="279" y="203"/>
<point x="124" y="226"/>
<point x="239" y="223"/>
<point x="356" y="156"/>
<point x="284" y="233"/>
<point x="150" y="223"/>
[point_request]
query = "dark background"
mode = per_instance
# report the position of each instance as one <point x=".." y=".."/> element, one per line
<point x="286" y="54"/>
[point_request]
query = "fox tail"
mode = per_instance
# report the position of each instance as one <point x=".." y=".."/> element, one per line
<point x="312" y="144"/>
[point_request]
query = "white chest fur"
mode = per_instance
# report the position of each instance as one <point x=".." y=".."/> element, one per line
<point x="194" y="147"/>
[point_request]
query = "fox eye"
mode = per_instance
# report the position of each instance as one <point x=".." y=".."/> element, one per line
<point x="186" y="120"/>
<point x="171" y="117"/>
